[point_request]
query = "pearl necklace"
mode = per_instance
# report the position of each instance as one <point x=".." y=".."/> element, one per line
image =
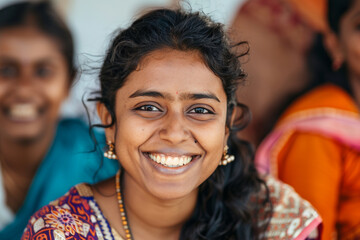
<point x="124" y="221"/>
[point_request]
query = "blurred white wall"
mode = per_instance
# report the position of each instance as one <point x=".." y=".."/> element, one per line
<point x="219" y="10"/>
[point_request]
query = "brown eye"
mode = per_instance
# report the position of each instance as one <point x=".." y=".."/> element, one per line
<point x="8" y="71"/>
<point x="43" y="72"/>
<point x="148" y="108"/>
<point x="149" y="111"/>
<point x="201" y="110"/>
<point x="201" y="113"/>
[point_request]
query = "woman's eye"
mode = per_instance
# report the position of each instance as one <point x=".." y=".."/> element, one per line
<point x="148" y="108"/>
<point x="43" y="72"/>
<point x="201" y="113"/>
<point x="149" y="111"/>
<point x="8" y="72"/>
<point x="201" y="110"/>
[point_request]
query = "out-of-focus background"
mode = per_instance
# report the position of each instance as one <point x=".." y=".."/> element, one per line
<point x="93" y="22"/>
<point x="296" y="66"/>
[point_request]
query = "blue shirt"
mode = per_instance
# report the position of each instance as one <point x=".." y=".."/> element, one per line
<point x="73" y="158"/>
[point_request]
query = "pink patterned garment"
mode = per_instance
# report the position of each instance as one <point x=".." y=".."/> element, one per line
<point x="292" y="218"/>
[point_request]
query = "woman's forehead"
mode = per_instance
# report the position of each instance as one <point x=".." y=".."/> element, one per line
<point x="168" y="53"/>
<point x="27" y="43"/>
<point x="174" y="71"/>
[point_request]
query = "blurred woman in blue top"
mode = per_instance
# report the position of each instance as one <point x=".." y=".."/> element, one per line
<point x="41" y="157"/>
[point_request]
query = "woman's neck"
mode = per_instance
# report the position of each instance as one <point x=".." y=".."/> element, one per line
<point x="152" y="218"/>
<point x="19" y="162"/>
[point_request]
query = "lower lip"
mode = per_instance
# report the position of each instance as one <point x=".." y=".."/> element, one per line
<point x="170" y="170"/>
<point x="22" y="120"/>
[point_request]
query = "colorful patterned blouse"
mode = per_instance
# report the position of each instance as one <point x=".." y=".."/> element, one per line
<point x="77" y="216"/>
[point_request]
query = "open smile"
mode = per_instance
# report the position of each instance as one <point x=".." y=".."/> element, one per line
<point x="23" y="112"/>
<point x="171" y="161"/>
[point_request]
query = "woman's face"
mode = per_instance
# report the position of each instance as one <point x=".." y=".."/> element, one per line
<point x="347" y="48"/>
<point x="170" y="123"/>
<point x="33" y="83"/>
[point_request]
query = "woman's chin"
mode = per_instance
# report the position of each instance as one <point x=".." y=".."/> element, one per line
<point x="168" y="192"/>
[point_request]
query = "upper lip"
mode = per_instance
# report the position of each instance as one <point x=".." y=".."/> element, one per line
<point x="173" y="152"/>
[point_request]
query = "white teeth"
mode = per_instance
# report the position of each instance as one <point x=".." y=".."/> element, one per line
<point x="181" y="161"/>
<point x="24" y="111"/>
<point x="158" y="158"/>
<point x="170" y="161"/>
<point x="176" y="161"/>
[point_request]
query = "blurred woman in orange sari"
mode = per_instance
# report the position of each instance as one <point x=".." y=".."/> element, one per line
<point x="315" y="146"/>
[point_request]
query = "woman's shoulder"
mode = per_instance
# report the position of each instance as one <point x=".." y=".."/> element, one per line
<point x="76" y="124"/>
<point x="73" y="134"/>
<point x="326" y="96"/>
<point x="292" y="217"/>
<point x="76" y="127"/>
<point x="75" y="215"/>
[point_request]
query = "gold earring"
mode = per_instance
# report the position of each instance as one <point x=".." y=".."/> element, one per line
<point x="226" y="157"/>
<point x="110" y="153"/>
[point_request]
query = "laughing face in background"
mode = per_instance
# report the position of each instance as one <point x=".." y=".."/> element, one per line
<point x="33" y="83"/>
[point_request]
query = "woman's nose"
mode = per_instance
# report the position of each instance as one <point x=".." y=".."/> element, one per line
<point x="23" y="85"/>
<point x="174" y="129"/>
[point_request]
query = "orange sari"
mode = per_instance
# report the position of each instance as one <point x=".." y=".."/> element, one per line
<point x="315" y="148"/>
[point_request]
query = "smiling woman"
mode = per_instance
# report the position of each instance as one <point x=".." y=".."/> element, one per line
<point x="180" y="101"/>
<point x="167" y="103"/>
<point x="36" y="73"/>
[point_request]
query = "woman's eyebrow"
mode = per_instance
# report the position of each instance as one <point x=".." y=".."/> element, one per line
<point x="183" y="96"/>
<point x="195" y="96"/>
<point x="11" y="60"/>
<point x="156" y="94"/>
<point x="7" y="60"/>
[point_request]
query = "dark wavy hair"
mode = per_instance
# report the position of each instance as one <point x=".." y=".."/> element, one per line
<point x="42" y="16"/>
<point x="224" y="209"/>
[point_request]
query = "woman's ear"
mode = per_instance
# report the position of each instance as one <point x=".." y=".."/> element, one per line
<point x="106" y="119"/>
<point x="333" y="47"/>
<point x="229" y="124"/>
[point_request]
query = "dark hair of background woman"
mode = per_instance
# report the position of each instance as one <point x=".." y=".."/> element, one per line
<point x="336" y="10"/>
<point x="224" y="209"/>
<point x="320" y="62"/>
<point x="42" y="16"/>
